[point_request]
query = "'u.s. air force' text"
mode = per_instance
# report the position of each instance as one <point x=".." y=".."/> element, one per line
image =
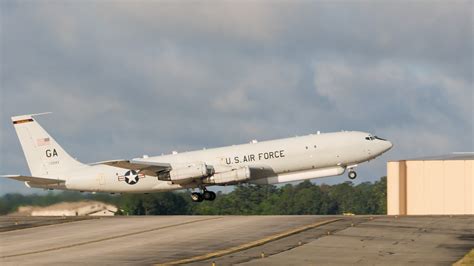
<point x="256" y="157"/>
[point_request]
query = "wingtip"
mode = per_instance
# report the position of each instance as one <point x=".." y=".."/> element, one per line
<point x="8" y="176"/>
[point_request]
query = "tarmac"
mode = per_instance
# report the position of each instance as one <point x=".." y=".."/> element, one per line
<point x="245" y="240"/>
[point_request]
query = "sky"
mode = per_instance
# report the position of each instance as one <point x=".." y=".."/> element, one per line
<point x="126" y="78"/>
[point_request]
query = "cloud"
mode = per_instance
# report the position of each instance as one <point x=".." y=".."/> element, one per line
<point x="412" y="103"/>
<point x="413" y="92"/>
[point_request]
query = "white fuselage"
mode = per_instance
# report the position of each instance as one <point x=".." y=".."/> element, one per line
<point x="285" y="160"/>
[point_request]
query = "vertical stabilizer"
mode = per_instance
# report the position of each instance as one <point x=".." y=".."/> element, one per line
<point x="43" y="154"/>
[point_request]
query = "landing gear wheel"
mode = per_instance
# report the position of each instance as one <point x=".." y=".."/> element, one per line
<point x="197" y="197"/>
<point x="213" y="196"/>
<point x="352" y="174"/>
<point x="209" y="195"/>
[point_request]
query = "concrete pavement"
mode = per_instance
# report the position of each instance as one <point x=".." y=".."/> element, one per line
<point x="138" y="240"/>
<point x="283" y="240"/>
<point x="386" y="241"/>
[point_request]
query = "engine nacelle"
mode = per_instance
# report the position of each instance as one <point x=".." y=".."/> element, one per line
<point x="229" y="177"/>
<point x="187" y="173"/>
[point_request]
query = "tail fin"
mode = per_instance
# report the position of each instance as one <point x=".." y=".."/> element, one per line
<point x="43" y="154"/>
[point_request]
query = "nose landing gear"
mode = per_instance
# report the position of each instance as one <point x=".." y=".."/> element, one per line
<point x="352" y="174"/>
<point x="205" y="195"/>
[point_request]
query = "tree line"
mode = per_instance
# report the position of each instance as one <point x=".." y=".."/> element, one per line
<point x="301" y="199"/>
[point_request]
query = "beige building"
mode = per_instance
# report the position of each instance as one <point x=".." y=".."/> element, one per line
<point x="431" y="185"/>
<point x="80" y="208"/>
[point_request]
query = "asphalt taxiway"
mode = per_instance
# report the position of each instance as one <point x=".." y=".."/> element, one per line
<point x="248" y="240"/>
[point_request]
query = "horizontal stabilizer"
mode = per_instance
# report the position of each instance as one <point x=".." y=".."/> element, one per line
<point x="35" y="180"/>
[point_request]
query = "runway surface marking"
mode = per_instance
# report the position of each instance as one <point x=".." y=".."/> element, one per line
<point x="468" y="259"/>
<point x="249" y="245"/>
<point x="109" y="238"/>
<point x="34" y="226"/>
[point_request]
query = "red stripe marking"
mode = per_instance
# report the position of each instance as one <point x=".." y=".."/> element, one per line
<point x="23" y="121"/>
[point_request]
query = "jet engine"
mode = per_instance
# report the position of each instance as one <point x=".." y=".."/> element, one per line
<point x="187" y="173"/>
<point x="233" y="176"/>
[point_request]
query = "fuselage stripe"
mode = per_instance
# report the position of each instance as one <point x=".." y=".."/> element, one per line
<point x="23" y="121"/>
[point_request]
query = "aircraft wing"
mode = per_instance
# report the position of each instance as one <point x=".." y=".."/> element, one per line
<point x="35" y="180"/>
<point x="154" y="168"/>
<point x="147" y="168"/>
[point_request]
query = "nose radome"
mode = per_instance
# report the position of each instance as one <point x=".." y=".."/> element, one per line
<point x="389" y="145"/>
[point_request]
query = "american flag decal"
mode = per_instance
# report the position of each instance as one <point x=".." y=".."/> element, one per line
<point x="42" y="141"/>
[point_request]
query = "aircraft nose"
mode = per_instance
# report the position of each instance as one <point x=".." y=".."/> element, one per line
<point x="388" y="145"/>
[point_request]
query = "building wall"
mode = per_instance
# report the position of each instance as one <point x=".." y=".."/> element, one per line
<point x="396" y="188"/>
<point x="430" y="187"/>
<point x="76" y="209"/>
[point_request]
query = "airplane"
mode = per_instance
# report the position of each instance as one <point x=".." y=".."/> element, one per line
<point x="267" y="162"/>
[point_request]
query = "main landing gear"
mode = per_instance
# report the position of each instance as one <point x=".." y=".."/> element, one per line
<point x="205" y="195"/>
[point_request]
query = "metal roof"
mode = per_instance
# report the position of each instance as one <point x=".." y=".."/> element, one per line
<point x="447" y="157"/>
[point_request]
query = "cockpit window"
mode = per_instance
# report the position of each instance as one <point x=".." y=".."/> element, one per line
<point x="370" y="137"/>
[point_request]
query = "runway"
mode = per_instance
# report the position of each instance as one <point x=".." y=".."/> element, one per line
<point x="201" y="240"/>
